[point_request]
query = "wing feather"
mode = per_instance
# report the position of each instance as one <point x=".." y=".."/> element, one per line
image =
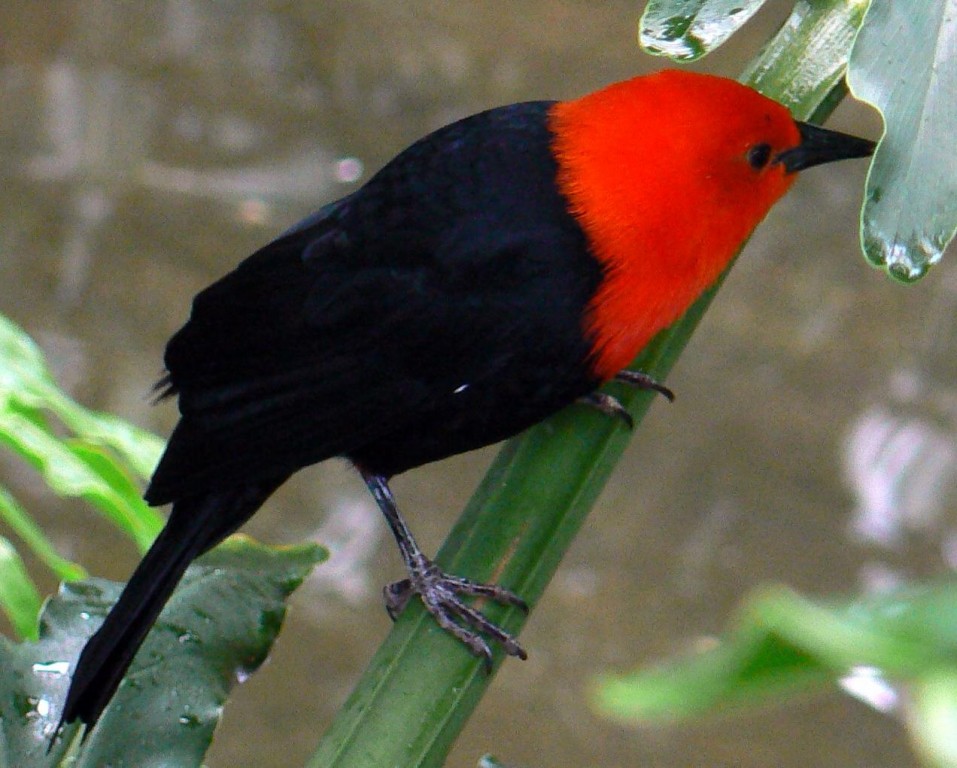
<point x="419" y="317"/>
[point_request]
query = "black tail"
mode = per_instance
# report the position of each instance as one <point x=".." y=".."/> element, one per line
<point x="195" y="525"/>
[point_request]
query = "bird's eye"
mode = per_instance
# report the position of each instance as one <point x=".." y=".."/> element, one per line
<point x="759" y="155"/>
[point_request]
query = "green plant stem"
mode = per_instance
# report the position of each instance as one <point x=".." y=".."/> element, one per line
<point x="422" y="685"/>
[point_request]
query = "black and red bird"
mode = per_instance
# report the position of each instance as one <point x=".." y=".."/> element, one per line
<point x="494" y="272"/>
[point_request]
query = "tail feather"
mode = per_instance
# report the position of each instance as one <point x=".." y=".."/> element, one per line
<point x="195" y="525"/>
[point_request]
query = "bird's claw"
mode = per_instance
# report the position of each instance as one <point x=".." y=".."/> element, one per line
<point x="442" y="593"/>
<point x="608" y="405"/>
<point x="611" y="406"/>
<point x="646" y="382"/>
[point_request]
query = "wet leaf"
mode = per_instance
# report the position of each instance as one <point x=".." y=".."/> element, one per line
<point x="217" y="628"/>
<point x="904" y="62"/>
<point x="686" y="30"/>
<point x="806" y="59"/>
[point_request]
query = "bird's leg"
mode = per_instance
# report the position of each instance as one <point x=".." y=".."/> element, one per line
<point x="442" y="593"/>
<point x="611" y="406"/>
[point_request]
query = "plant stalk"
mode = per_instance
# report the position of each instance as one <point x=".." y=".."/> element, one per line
<point x="422" y="684"/>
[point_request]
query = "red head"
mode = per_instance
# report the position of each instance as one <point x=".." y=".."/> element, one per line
<point x="667" y="175"/>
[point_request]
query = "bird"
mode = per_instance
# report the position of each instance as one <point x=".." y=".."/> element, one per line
<point x="494" y="272"/>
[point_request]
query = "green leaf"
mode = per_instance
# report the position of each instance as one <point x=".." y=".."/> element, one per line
<point x="135" y="515"/>
<point x="933" y="717"/>
<point x="783" y="643"/>
<point x="75" y="470"/>
<point x="25" y="381"/>
<point x="19" y="598"/>
<point x="217" y="629"/>
<point x="85" y="465"/>
<point x="756" y="662"/>
<point x="686" y="30"/>
<point x="904" y="63"/>
<point x="138" y="448"/>
<point x="23" y="365"/>
<point x="14" y="515"/>
<point x="804" y="64"/>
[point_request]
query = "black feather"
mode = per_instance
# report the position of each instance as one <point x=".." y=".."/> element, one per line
<point x="438" y="309"/>
<point x="195" y="525"/>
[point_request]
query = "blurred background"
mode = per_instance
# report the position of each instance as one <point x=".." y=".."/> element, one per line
<point x="148" y="147"/>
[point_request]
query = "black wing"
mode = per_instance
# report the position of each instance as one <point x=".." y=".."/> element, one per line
<point x="437" y="309"/>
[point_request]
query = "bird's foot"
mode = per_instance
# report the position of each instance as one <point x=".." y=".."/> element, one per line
<point x="442" y="594"/>
<point x="644" y="381"/>
<point x="608" y="405"/>
<point x="611" y="406"/>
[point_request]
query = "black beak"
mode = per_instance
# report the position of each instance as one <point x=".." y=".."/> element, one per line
<point x="820" y="145"/>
